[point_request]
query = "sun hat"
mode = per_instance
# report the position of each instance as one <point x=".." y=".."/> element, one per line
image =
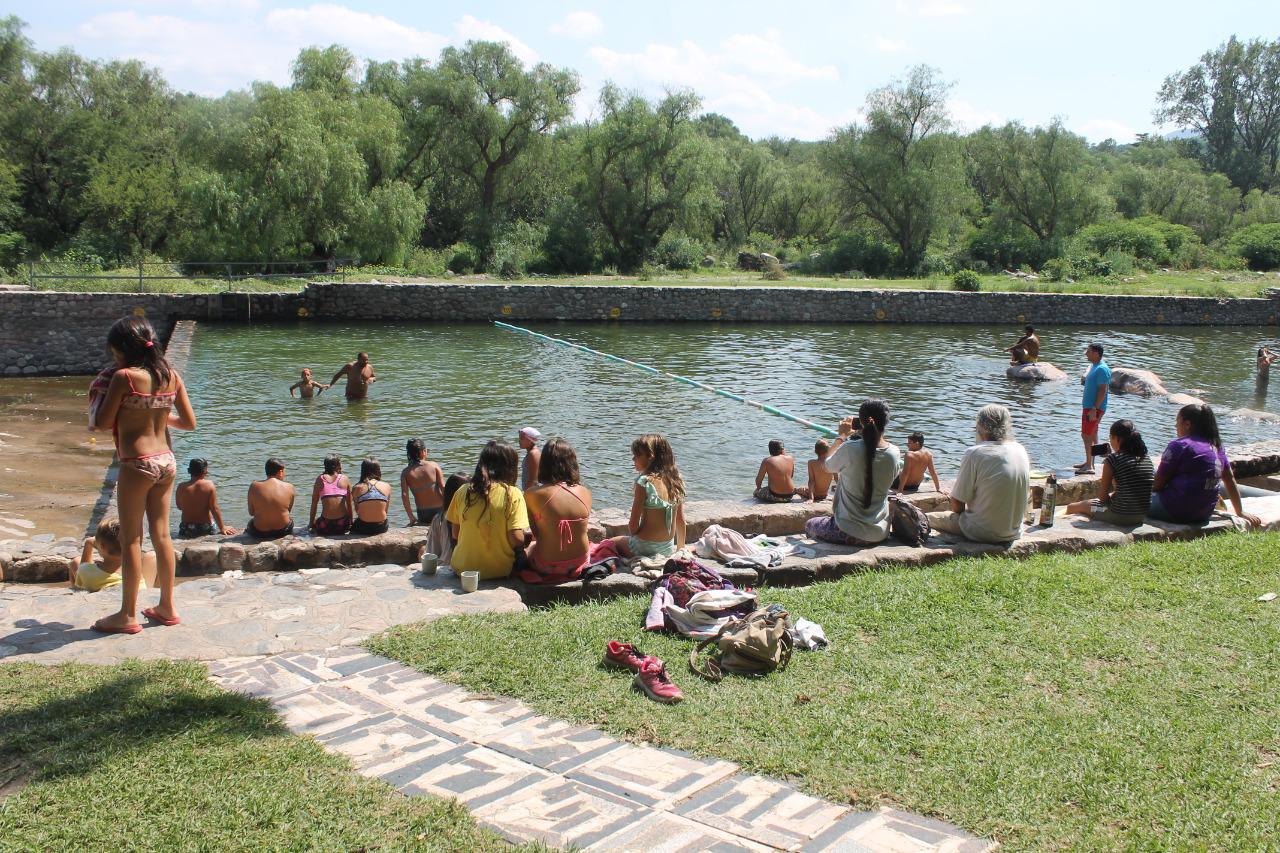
<point x="530" y="433"/>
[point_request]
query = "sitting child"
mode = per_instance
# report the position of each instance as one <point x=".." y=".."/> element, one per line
<point x="307" y="386"/>
<point x="778" y="468"/>
<point x="92" y="576"/>
<point x="914" y="464"/>
<point x="820" y="479"/>
<point x="440" y="539"/>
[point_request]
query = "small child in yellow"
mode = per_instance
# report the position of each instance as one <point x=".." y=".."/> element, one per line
<point x="94" y="576"/>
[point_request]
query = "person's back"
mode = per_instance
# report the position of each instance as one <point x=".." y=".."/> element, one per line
<point x="483" y="524"/>
<point x="864" y="520"/>
<point x="424" y="481"/>
<point x="820" y="479"/>
<point x="994" y="483"/>
<point x="774" y="478"/>
<point x="1192" y="470"/>
<point x="193" y="499"/>
<point x="560" y="510"/>
<point x="270" y="504"/>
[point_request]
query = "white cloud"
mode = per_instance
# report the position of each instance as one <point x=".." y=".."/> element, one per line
<point x="968" y="118"/>
<point x="578" y="25"/>
<point x="1098" y="129"/>
<point x="731" y="80"/>
<point x="888" y="45"/>
<point x="942" y="9"/>
<point x="473" y="29"/>
<point x="367" y="35"/>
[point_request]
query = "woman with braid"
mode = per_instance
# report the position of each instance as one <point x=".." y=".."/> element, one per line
<point x="867" y="465"/>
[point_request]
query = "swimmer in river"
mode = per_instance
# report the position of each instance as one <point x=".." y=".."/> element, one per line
<point x="778" y="468"/>
<point x="1027" y="349"/>
<point x="307" y="387"/>
<point x="359" y="375"/>
<point x="1265" y="359"/>
<point x="914" y="465"/>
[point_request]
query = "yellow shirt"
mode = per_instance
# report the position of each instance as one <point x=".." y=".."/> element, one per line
<point x="91" y="577"/>
<point x="483" y="545"/>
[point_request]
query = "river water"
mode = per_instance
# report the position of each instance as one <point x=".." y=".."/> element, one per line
<point x="458" y="385"/>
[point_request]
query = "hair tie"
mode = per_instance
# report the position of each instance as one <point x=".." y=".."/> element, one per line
<point x="149" y="344"/>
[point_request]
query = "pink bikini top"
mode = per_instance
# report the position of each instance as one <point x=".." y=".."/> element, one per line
<point x="566" y="524"/>
<point x="332" y="489"/>
<point x="135" y="399"/>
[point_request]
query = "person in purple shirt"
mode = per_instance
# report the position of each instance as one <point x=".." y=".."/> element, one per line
<point x="1097" y="383"/>
<point x="1192" y="470"/>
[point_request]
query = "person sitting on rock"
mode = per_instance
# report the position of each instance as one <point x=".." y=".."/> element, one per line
<point x="270" y="503"/>
<point x="85" y="573"/>
<point x="989" y="496"/>
<point x="371" y="497"/>
<point x="488" y="515"/>
<point x="1194" y="472"/>
<point x="820" y="478"/>
<point x="914" y="465"/>
<point x="867" y="465"/>
<point x="528" y="438"/>
<point x="423" y="480"/>
<point x="1124" y="492"/>
<point x="331" y="495"/>
<point x="560" y="509"/>
<point x="1026" y="350"/>
<point x="779" y="468"/>
<point x="197" y="500"/>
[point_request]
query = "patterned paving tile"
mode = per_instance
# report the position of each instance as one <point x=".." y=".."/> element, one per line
<point x="893" y="831"/>
<point x="663" y="832"/>
<point x="475" y="775"/>
<point x="654" y="777"/>
<point x="560" y="813"/>
<point x="384" y="745"/>
<point x="553" y="745"/>
<point x="763" y="809"/>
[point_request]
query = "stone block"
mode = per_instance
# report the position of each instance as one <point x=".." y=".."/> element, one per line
<point x="263" y="557"/>
<point x="353" y="552"/>
<point x="396" y="546"/>
<point x="231" y="557"/>
<point x="6" y="565"/>
<point x="39" y="568"/>
<point x="201" y="558"/>
<point x="298" y="554"/>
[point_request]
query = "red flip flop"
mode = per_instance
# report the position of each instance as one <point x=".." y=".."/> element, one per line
<point x="150" y="613"/>
<point x="127" y="629"/>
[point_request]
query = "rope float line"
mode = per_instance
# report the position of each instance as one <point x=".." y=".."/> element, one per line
<point x="764" y="407"/>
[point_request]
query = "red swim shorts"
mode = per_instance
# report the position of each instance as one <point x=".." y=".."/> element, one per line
<point x="1088" y="427"/>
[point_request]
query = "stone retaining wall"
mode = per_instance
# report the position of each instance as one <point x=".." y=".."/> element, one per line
<point x="44" y="332"/>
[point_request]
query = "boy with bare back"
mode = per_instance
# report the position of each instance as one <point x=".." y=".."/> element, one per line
<point x="424" y="480"/>
<point x="778" y="468"/>
<point x="197" y="499"/>
<point x="270" y="504"/>
<point x="307" y="386"/>
<point x="820" y="479"/>
<point x="915" y="462"/>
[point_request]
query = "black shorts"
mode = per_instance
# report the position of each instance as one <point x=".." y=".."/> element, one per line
<point x="368" y="528"/>
<point x="427" y="514"/>
<point x="195" y="529"/>
<point x="255" y="533"/>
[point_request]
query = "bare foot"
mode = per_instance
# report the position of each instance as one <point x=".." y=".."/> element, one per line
<point x="117" y="623"/>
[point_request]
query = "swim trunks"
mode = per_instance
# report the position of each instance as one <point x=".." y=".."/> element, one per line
<point x="427" y="514"/>
<point x="332" y="526"/>
<point x="764" y="493"/>
<point x="255" y="533"/>
<point x="360" y="527"/>
<point x="195" y="529"/>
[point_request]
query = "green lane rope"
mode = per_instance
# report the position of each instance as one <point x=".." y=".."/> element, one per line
<point x="764" y="407"/>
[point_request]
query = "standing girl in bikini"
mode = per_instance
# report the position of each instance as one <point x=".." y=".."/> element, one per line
<point x="145" y="398"/>
<point x="559" y="509"/>
<point x="657" y="506"/>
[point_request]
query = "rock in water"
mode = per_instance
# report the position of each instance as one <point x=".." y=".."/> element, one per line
<point x="1183" y="400"/>
<point x="1041" y="371"/>
<point x="1254" y="415"/>
<point x="1144" y="383"/>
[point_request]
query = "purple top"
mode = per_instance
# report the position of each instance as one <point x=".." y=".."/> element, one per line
<point x="1194" y="470"/>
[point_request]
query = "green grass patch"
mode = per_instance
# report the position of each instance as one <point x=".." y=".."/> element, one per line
<point x="151" y="756"/>
<point x="1123" y="698"/>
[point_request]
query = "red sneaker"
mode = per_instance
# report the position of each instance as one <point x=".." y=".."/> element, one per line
<point x="622" y="656"/>
<point x="656" y="684"/>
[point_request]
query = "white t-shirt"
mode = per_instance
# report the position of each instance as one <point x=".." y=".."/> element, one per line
<point x="994" y="481"/>
<point x="871" y="523"/>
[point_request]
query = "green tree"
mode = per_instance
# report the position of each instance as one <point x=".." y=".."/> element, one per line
<point x="1231" y="100"/>
<point x="1154" y="178"/>
<point x="746" y="192"/>
<point x="902" y="169"/>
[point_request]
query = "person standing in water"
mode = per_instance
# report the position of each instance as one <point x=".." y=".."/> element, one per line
<point x="307" y="386"/>
<point x="359" y="375"/>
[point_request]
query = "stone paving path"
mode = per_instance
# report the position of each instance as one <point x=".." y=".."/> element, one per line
<point x="530" y="777"/>
<point x="255" y="614"/>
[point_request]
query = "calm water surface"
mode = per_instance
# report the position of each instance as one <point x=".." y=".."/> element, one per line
<point x="458" y="385"/>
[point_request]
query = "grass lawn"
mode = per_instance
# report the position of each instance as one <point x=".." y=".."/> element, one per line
<point x="1124" y="698"/>
<point x="151" y="756"/>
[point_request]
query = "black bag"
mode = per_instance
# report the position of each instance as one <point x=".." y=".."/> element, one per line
<point x="907" y="523"/>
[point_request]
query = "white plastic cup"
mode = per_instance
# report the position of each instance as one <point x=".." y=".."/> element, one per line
<point x="470" y="581"/>
<point x="430" y="562"/>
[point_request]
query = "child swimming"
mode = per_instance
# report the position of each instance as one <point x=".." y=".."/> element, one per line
<point x="307" y="386"/>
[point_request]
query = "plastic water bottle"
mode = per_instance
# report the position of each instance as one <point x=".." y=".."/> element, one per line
<point x="1049" y="501"/>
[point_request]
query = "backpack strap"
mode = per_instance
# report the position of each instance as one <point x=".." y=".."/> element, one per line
<point x="710" y="669"/>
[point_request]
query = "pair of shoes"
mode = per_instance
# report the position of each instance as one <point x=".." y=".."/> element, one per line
<point x="150" y="613"/>
<point x="135" y="628"/>
<point x="651" y="673"/>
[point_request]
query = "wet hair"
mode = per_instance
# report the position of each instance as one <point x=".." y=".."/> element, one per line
<point x="821" y="446"/>
<point x="1130" y="439"/>
<point x="994" y="422"/>
<point x="1096" y="347"/>
<point x="558" y="463"/>
<point x="498" y="463"/>
<point x="414" y="448"/>
<point x="1030" y="330"/>
<point x="333" y="464"/>
<point x="917" y="437"/>
<point x="108" y="534"/>
<point x="661" y="463"/>
<point x="370" y="469"/>
<point x="875" y="417"/>
<point x="197" y="467"/>
<point x="776" y="448"/>
<point x="1260" y="351"/>
<point x="451" y="485"/>
<point x="137" y="341"/>
<point x="274" y="466"/>
<point x="1202" y="422"/>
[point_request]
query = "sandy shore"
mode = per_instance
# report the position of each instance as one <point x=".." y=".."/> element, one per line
<point x="51" y="467"/>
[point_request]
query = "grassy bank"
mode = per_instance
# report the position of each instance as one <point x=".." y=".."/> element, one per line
<point x="1126" y="698"/>
<point x="151" y="756"/>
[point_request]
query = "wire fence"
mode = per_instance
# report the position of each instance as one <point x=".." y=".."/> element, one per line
<point x="188" y="276"/>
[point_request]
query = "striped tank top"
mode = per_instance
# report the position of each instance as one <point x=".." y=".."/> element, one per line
<point x="1133" y="476"/>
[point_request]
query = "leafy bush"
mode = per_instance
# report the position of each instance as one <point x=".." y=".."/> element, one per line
<point x="570" y="244"/>
<point x="853" y="250"/>
<point x="462" y="259"/>
<point x="760" y="241"/>
<point x="428" y="263"/>
<point x="773" y="271"/>
<point x="1145" y="237"/>
<point x="1120" y="262"/>
<point x="677" y="251"/>
<point x="966" y="280"/>
<point x="934" y="264"/>
<point x="1258" y="245"/>
<point x="516" y="248"/>
<point x="1003" y="251"/>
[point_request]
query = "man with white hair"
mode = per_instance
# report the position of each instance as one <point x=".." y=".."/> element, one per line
<point x="989" y="498"/>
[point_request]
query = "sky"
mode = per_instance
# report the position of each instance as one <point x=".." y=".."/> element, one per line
<point x="796" y="69"/>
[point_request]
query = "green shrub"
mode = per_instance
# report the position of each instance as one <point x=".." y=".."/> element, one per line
<point x="1258" y="245"/>
<point x="517" y="248"/>
<point x="428" y="263"/>
<point x="1001" y="250"/>
<point x="852" y="250"/>
<point x="677" y="251"/>
<point x="966" y="280"/>
<point x="760" y="241"/>
<point x="773" y="271"/>
<point x="570" y="242"/>
<point x="462" y="259"/>
<point x="1145" y="237"/>
<point x="1120" y="262"/>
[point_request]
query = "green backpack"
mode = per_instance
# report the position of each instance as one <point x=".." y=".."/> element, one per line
<point x="754" y="646"/>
